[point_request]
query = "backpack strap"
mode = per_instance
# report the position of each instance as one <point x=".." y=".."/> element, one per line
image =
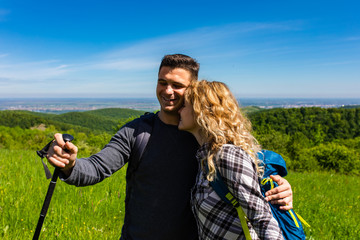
<point x="273" y="164"/>
<point x="223" y="192"/>
<point x="270" y="185"/>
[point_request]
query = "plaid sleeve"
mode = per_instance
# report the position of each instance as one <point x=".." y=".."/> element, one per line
<point x="239" y="173"/>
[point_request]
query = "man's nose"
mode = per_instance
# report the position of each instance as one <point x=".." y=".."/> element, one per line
<point x="169" y="89"/>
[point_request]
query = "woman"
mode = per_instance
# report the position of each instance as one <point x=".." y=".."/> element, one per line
<point x="212" y="115"/>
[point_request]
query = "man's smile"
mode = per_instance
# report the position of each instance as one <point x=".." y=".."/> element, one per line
<point x="169" y="100"/>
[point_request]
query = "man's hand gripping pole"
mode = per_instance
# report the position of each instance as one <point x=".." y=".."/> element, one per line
<point x="42" y="153"/>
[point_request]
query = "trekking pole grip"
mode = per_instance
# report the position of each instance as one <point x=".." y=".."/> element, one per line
<point x="51" y="188"/>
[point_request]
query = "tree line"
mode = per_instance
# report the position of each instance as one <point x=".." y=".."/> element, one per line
<point x="312" y="138"/>
<point x="309" y="139"/>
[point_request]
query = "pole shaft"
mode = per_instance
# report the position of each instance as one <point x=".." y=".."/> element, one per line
<point x="46" y="204"/>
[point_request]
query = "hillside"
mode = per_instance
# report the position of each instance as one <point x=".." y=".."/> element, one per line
<point x="330" y="123"/>
<point x="308" y="138"/>
<point x="251" y="109"/>
<point x="27" y="120"/>
<point x="116" y="113"/>
<point x="102" y="120"/>
<point x="312" y="138"/>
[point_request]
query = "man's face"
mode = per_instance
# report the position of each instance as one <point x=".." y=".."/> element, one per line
<point x="171" y="87"/>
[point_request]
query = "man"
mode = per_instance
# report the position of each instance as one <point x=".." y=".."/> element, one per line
<point x="157" y="204"/>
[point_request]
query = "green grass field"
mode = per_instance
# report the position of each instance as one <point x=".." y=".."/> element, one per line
<point x="329" y="202"/>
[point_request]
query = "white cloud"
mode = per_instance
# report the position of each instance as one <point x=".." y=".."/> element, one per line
<point x="125" y="68"/>
<point x="38" y="71"/>
<point x="144" y="55"/>
<point x="337" y="63"/>
<point x="200" y="38"/>
<point x="353" y="38"/>
<point x="3" y="55"/>
<point x="123" y="64"/>
<point x="203" y="42"/>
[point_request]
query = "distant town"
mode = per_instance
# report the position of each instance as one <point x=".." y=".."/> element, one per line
<point x="151" y="104"/>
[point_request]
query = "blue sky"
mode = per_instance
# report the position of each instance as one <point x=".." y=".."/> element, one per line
<point x="113" y="48"/>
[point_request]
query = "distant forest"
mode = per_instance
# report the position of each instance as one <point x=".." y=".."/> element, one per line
<point x="312" y="138"/>
<point x="309" y="139"/>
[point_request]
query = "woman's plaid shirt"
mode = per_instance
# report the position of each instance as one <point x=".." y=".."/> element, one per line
<point x="219" y="220"/>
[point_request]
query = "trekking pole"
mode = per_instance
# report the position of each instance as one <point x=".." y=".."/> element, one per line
<point x="42" y="153"/>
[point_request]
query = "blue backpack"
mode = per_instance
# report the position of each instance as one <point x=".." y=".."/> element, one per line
<point x="289" y="221"/>
<point x="274" y="165"/>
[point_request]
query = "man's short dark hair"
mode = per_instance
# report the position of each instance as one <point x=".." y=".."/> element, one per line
<point x="181" y="61"/>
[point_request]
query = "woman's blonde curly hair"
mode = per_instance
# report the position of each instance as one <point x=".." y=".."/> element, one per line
<point x="221" y="121"/>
